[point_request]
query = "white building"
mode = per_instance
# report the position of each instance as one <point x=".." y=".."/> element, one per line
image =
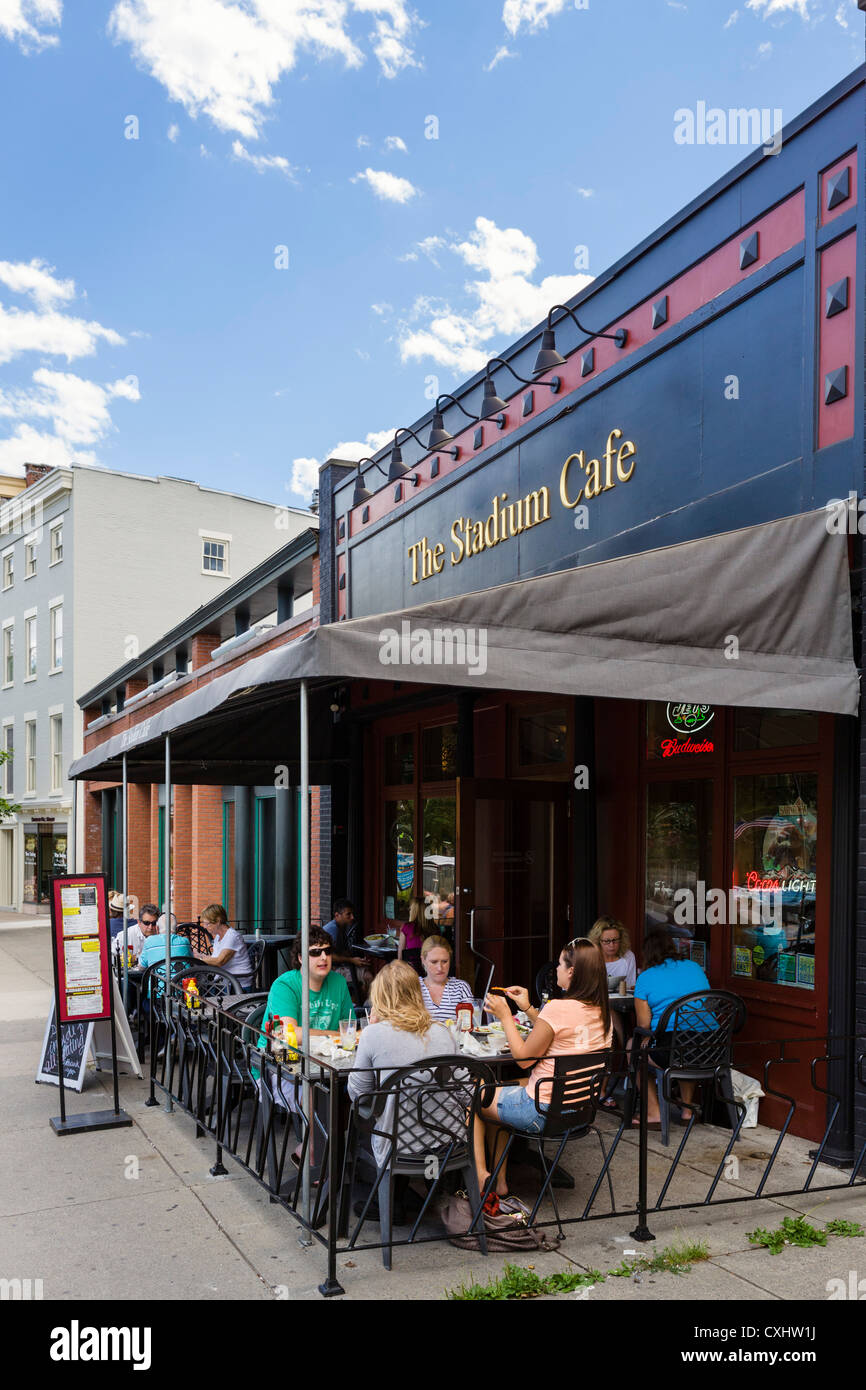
<point x="94" y="566"/>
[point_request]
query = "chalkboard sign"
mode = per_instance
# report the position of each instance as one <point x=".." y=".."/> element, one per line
<point x="76" y="1046"/>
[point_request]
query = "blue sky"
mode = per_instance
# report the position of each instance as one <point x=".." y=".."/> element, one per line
<point x="228" y="246"/>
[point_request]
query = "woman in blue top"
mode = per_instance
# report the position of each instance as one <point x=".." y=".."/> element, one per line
<point x="666" y="977"/>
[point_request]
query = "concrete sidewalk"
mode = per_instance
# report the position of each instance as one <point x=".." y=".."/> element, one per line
<point x="133" y="1212"/>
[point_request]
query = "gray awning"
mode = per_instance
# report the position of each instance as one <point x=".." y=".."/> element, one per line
<point x="757" y="617"/>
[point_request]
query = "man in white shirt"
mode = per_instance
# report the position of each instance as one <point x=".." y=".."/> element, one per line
<point x="138" y="932"/>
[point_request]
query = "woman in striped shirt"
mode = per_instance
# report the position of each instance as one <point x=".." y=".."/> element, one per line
<point x="441" y="995"/>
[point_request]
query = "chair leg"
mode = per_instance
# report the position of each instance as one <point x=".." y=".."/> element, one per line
<point x="385" y="1228"/>
<point x="606" y="1166"/>
<point x="474" y="1194"/>
<point x="548" y="1183"/>
<point x="735" y="1114"/>
<point x="664" y="1109"/>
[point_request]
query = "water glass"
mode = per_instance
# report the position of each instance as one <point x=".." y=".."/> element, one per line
<point x="348" y="1033"/>
<point x="478" y="1012"/>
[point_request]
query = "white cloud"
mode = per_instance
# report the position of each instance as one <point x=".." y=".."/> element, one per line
<point x="204" y="151"/>
<point x="305" y="471"/>
<point x="36" y="278"/>
<point x="363" y="142"/>
<point x="173" y="132"/>
<point x="224" y="58"/>
<point x="768" y="8"/>
<point x="364" y="356"/>
<point x="263" y="162"/>
<point x="731" y="19"/>
<point x="388" y="186"/>
<point x="842" y="13"/>
<point x="75" y="410"/>
<point x="676" y="5"/>
<point x="394" y="142"/>
<point x="499" y="56"/>
<point x="530" y="14"/>
<point x="764" y="50"/>
<point x="22" y="21"/>
<point x="507" y="301"/>
<point x="382" y="309"/>
<point x="586" y="192"/>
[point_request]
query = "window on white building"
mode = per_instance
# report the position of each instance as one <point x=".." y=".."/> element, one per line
<point x="56" y="545"/>
<point x="214" y="555"/>
<point x="29" y="648"/>
<point x="8" y="766"/>
<point x="30" y="755"/>
<point x="56" y="752"/>
<point x="8" y="654"/>
<point x="8" y="569"/>
<point x="57" y="637"/>
<point x="29" y="559"/>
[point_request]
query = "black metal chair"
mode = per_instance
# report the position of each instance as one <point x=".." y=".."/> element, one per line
<point x="423" y="1117"/>
<point x="545" y="983"/>
<point x="199" y="937"/>
<point x="693" y="1042"/>
<point x="256" y="951"/>
<point x="572" y="1096"/>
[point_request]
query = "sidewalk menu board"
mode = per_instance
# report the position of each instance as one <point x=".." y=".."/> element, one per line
<point x="80" y="919"/>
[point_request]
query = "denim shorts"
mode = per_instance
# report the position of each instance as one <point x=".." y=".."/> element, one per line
<point x="517" y="1108"/>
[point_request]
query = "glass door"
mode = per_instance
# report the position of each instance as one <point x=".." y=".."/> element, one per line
<point x="512" y="878"/>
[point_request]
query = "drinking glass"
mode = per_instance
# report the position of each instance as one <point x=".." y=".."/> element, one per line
<point x="348" y="1032"/>
<point x="478" y="1012"/>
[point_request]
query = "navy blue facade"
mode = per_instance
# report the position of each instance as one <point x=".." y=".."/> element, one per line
<point x="707" y="460"/>
<point x="725" y="409"/>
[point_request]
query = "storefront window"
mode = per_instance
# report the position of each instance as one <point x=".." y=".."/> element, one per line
<point x="439" y="753"/>
<point x="683" y="731"/>
<point x="773" y="728"/>
<point x="542" y="738"/>
<point x="31" y="847"/>
<point x="678" y="863"/>
<point x="439" y="822"/>
<point x="398" y="869"/>
<point x="399" y="752"/>
<point x="775" y="846"/>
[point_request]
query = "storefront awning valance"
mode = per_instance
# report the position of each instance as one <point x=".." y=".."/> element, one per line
<point x="756" y="617"/>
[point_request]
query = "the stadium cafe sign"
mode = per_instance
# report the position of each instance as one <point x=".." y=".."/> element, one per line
<point x="581" y="481"/>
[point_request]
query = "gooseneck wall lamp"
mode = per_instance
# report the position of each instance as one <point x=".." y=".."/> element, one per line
<point x="439" y="436"/>
<point x="361" y="493"/>
<point x="547" y="354"/>
<point x="398" y="468"/>
<point x="495" y="405"/>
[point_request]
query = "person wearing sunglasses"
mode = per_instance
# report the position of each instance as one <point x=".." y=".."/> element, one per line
<point x="330" y="1000"/>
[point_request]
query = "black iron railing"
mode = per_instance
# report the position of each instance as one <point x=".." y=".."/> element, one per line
<point x="280" y="1119"/>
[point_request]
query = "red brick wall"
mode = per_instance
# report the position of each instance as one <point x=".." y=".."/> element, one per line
<point x="203" y="646"/>
<point x="206" y="882"/>
<point x="182" y="852"/>
<point x="138" y="841"/>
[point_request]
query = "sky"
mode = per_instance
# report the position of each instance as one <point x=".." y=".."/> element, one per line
<point x="238" y="237"/>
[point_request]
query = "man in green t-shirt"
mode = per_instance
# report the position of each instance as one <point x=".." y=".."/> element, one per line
<point x="329" y="994"/>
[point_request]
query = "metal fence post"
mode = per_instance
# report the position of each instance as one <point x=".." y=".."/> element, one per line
<point x="642" y="1231"/>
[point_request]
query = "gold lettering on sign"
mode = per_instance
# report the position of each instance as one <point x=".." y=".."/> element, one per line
<point x="470" y="536"/>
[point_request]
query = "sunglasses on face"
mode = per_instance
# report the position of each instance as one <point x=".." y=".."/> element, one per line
<point x="150" y="923"/>
<point x="316" y="951"/>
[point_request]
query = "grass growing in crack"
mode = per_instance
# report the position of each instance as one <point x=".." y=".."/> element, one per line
<point x="517" y="1281"/>
<point x="794" y="1230"/>
<point x="673" y="1259"/>
<point x="840" y="1227"/>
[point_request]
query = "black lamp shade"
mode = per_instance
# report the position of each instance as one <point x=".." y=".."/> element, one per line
<point x="438" y="433"/>
<point x="361" y="493"/>
<point x="547" y="355"/>
<point x="397" y="467"/>
<point x="491" y="404"/>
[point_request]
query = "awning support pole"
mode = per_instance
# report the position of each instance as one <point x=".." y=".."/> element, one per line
<point x="166" y="870"/>
<point x="125" y="888"/>
<point x="73" y="833"/>
<point x="304" y="851"/>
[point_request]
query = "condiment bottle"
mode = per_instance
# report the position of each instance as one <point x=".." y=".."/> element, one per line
<point x="463" y="1013"/>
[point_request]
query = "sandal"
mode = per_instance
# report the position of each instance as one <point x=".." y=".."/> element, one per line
<point x="608" y="1102"/>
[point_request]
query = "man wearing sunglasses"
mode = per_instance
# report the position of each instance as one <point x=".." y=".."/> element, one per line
<point x="138" y="932"/>
<point x="329" y="994"/>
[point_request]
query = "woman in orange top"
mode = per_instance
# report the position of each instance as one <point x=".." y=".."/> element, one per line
<point x="575" y="1025"/>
